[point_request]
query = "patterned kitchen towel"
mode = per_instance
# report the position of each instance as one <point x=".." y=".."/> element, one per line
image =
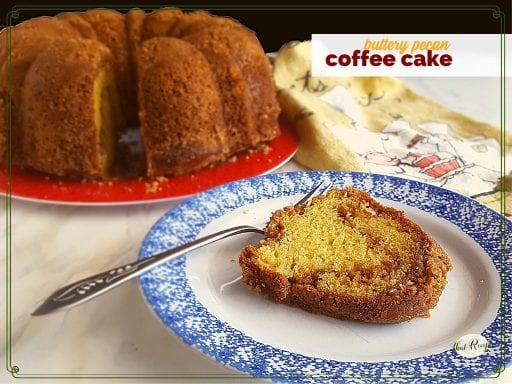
<point x="377" y="124"/>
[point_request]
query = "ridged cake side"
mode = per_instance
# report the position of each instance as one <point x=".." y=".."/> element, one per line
<point x="174" y="76"/>
<point x="24" y="43"/>
<point x="72" y="132"/>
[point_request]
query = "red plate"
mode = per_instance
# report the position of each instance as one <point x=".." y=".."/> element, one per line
<point x="48" y="189"/>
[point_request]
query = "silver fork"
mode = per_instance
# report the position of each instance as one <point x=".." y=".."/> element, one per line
<point x="93" y="286"/>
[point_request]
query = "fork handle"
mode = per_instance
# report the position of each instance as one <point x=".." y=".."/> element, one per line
<point x="90" y="287"/>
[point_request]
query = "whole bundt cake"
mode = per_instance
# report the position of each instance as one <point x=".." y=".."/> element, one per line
<point x="199" y="86"/>
<point x="347" y="256"/>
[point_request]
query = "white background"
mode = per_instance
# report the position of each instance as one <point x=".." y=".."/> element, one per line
<point x="473" y="55"/>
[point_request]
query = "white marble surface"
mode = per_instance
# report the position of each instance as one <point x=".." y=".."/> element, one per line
<point x="117" y="334"/>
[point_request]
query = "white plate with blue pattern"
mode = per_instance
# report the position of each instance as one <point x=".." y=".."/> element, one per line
<point x="201" y="297"/>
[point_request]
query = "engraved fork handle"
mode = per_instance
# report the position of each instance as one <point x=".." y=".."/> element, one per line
<point x="90" y="287"/>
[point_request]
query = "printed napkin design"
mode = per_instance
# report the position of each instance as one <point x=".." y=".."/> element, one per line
<point x="430" y="153"/>
<point x="377" y="124"/>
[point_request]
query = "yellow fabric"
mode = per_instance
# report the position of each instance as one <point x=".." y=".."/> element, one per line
<point x="372" y="102"/>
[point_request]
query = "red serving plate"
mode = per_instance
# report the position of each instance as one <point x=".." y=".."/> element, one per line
<point x="48" y="189"/>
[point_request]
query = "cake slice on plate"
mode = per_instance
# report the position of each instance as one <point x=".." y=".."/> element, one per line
<point x="347" y="256"/>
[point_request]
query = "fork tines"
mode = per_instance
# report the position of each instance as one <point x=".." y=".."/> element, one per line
<point x="319" y="189"/>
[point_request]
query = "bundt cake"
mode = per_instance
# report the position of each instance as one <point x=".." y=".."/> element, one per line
<point x="199" y="86"/>
<point x="347" y="256"/>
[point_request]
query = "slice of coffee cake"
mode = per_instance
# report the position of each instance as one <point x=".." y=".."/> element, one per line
<point x="347" y="256"/>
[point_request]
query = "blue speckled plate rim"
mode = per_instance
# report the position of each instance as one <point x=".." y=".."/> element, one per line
<point x="178" y="308"/>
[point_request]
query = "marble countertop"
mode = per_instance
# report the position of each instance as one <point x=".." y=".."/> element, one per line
<point x="53" y="245"/>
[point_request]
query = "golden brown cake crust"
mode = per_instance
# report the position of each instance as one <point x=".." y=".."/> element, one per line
<point x="28" y="39"/>
<point x="160" y="23"/>
<point x="110" y="29"/>
<point x="255" y="67"/>
<point x="63" y="139"/>
<point x="413" y="296"/>
<point x="240" y="66"/>
<point x="134" y="21"/>
<point x="77" y="22"/>
<point x="233" y="88"/>
<point x="174" y="76"/>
